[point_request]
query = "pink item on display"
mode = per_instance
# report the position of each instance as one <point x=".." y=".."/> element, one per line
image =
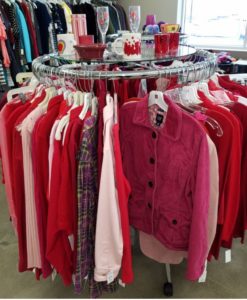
<point x="86" y="40"/>
<point x="151" y="20"/>
<point x="79" y="26"/>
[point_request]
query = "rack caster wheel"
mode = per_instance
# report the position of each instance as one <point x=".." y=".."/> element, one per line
<point x="168" y="289"/>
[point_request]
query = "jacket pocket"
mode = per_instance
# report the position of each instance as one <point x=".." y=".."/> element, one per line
<point x="174" y="229"/>
<point x="136" y="207"/>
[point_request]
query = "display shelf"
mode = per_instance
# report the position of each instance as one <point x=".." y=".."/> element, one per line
<point x="182" y="53"/>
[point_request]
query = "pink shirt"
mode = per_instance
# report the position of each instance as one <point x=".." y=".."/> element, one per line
<point x="108" y="239"/>
<point x="33" y="246"/>
<point x="155" y="250"/>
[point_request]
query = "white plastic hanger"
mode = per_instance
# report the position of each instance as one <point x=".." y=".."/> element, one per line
<point x="23" y="75"/>
<point x="65" y="120"/>
<point x="25" y="89"/>
<point x="86" y="106"/>
<point x="157" y="97"/>
<point x="189" y="95"/>
<point x="62" y="123"/>
<point x="94" y="106"/>
<point x="215" y="79"/>
<point x="203" y="86"/>
<point x="50" y="93"/>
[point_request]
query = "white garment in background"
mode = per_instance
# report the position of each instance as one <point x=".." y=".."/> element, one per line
<point x="108" y="240"/>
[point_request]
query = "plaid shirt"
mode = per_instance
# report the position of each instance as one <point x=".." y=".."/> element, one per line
<point x="87" y="192"/>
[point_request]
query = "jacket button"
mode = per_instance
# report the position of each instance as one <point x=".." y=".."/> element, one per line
<point x="150" y="184"/>
<point x="174" y="222"/>
<point x="154" y="135"/>
<point x="149" y="205"/>
<point x="152" y="160"/>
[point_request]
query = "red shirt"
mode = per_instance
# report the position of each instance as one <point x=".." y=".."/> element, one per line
<point x="212" y="87"/>
<point x="232" y="187"/>
<point x="40" y="146"/>
<point x="123" y="189"/>
<point x="232" y="86"/>
<point x="240" y="111"/>
<point x="67" y="209"/>
<point x="58" y="251"/>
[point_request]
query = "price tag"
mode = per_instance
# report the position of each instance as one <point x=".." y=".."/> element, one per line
<point x="53" y="275"/>
<point x="228" y="256"/>
<point x="73" y="278"/>
<point x="204" y="274"/>
<point x="71" y="241"/>
<point x="121" y="283"/>
<point x="110" y="277"/>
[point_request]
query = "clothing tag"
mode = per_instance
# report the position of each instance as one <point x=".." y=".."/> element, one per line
<point x="54" y="275"/>
<point x="56" y="27"/>
<point x="121" y="283"/>
<point x="23" y="98"/>
<point x="34" y="270"/>
<point x="204" y="274"/>
<point x="73" y="278"/>
<point x="110" y="277"/>
<point x="71" y="241"/>
<point x="228" y="256"/>
<point x="159" y="119"/>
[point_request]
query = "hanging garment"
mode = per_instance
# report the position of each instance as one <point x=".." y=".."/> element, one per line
<point x="14" y="31"/>
<point x="87" y="211"/>
<point x="154" y="249"/>
<point x="44" y="20"/>
<point x="3" y="37"/>
<point x="108" y="240"/>
<point x="240" y="111"/>
<point x="25" y="39"/>
<point x="18" y="180"/>
<point x="32" y="33"/>
<point x="68" y="16"/>
<point x="3" y="83"/>
<point x="87" y="202"/>
<point x="169" y="178"/>
<point x="58" y="251"/>
<point x="40" y="148"/>
<point x="5" y="145"/>
<point x="229" y="212"/>
<point x="67" y="210"/>
<point x="123" y="192"/>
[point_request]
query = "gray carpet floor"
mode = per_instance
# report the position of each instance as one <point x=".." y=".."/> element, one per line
<point x="223" y="280"/>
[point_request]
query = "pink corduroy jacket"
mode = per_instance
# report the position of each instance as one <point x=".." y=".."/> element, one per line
<point x="168" y="170"/>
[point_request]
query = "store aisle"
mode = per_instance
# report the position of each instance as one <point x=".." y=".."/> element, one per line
<point x="224" y="280"/>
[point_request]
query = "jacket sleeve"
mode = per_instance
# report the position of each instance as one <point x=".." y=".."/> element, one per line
<point x="214" y="192"/>
<point x="198" y="240"/>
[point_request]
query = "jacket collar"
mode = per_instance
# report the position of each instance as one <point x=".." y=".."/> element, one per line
<point x="173" y="122"/>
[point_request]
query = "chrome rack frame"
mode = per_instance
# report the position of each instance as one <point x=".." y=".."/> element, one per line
<point x="202" y="67"/>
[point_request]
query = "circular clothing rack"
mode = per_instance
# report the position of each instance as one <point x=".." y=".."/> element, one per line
<point x="188" y="63"/>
